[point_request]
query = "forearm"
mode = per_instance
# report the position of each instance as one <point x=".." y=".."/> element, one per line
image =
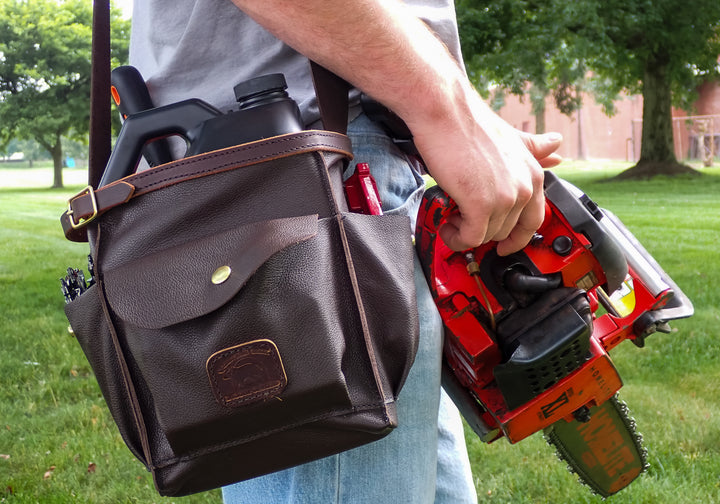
<point x="377" y="45"/>
<point x="383" y="49"/>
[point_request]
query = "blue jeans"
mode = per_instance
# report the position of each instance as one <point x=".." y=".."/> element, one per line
<point x="424" y="460"/>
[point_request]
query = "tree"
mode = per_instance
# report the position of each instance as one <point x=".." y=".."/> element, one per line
<point x="30" y="149"/>
<point x="45" y="71"/>
<point x="660" y="48"/>
<point x="522" y="47"/>
<point x="663" y="49"/>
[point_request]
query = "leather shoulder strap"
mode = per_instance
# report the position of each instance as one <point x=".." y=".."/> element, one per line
<point x="100" y="109"/>
<point x="332" y="94"/>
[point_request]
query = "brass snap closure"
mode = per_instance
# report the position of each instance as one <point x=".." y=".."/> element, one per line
<point x="221" y="274"/>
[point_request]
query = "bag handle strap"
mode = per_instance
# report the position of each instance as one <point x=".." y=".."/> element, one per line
<point x="90" y="203"/>
<point x="331" y="91"/>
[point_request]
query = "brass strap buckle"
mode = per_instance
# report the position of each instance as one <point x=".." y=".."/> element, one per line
<point x="82" y="221"/>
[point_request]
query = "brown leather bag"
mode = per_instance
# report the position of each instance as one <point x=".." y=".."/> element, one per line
<point x="241" y="320"/>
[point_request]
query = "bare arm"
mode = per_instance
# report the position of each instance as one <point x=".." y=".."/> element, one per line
<point x="380" y="47"/>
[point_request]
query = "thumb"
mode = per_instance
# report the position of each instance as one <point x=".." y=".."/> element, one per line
<point x="543" y="147"/>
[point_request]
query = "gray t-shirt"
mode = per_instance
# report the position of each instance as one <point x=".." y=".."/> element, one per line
<point x="203" y="48"/>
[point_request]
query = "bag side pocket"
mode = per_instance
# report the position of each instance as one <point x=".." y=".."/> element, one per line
<point x="89" y="324"/>
<point x="382" y="256"/>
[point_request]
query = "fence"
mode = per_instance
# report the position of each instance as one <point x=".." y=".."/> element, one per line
<point x="695" y="138"/>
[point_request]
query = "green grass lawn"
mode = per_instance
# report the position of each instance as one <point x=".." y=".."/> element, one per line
<point x="58" y="443"/>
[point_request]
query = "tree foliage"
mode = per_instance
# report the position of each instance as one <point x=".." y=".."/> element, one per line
<point x="45" y="70"/>
<point x="515" y="43"/>
<point x="682" y="36"/>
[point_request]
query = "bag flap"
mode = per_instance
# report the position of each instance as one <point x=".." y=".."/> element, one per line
<point x="193" y="279"/>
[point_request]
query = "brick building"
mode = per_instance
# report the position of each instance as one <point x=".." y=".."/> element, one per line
<point x="590" y="134"/>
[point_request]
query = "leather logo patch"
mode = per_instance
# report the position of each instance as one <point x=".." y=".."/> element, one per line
<point x="246" y="373"/>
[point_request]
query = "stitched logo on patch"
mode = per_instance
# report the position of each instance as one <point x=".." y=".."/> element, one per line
<point x="246" y="373"/>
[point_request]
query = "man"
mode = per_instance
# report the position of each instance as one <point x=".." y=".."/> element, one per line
<point x="406" y="56"/>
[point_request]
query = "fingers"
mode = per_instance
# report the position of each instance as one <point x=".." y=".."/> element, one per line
<point x="494" y="174"/>
<point x="529" y="218"/>
<point x="455" y="234"/>
<point x="543" y="148"/>
<point x="550" y="161"/>
<point x="517" y="210"/>
<point x="513" y="210"/>
<point x="529" y="221"/>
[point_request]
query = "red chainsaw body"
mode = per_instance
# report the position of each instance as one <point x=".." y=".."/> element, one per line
<point x="478" y="305"/>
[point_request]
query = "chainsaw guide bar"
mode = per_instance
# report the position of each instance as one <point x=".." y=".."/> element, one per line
<point x="605" y="451"/>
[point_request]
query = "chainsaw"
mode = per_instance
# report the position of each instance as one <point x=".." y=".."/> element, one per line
<point x="527" y="335"/>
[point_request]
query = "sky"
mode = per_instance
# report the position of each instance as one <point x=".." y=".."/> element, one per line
<point x="125" y="6"/>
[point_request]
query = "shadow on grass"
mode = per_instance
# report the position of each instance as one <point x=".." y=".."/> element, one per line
<point x="645" y="170"/>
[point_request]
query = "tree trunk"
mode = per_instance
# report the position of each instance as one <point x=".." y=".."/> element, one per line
<point x="657" y="133"/>
<point x="537" y="102"/>
<point x="540" y="119"/>
<point x="581" y="154"/>
<point x="56" y="152"/>
<point x="657" y="150"/>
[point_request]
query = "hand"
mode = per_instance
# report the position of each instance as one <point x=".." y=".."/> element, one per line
<point x="494" y="174"/>
<point x="543" y="148"/>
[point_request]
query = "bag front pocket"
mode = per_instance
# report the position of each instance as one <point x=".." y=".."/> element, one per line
<point x="259" y="349"/>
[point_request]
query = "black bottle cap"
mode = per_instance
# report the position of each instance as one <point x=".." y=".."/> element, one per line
<point x="265" y="84"/>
